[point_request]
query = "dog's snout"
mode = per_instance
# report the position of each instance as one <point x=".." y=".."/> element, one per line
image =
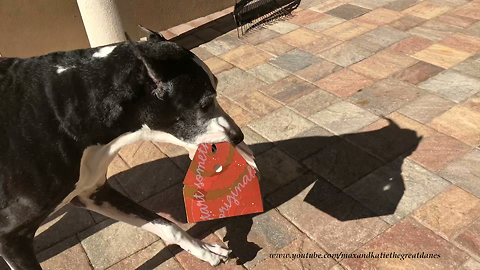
<point x="235" y="135"/>
<point x="231" y="129"/>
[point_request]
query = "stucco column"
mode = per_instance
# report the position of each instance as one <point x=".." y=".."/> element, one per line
<point x="106" y="21"/>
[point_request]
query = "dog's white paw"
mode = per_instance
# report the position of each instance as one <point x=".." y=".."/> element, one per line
<point x="213" y="254"/>
<point x="220" y="254"/>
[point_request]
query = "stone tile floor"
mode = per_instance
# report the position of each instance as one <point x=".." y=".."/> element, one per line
<point x="364" y="116"/>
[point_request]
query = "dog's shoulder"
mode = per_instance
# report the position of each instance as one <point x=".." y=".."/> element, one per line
<point x="34" y="89"/>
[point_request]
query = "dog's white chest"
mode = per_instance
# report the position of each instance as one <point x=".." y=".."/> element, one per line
<point x="93" y="169"/>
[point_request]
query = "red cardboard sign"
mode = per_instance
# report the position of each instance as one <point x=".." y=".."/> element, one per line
<point x="220" y="183"/>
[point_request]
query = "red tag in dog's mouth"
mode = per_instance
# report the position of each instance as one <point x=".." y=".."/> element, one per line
<point x="220" y="183"/>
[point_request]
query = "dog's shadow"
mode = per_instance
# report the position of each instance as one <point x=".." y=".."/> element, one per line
<point x="329" y="166"/>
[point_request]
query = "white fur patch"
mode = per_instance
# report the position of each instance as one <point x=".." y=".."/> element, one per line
<point x="223" y="122"/>
<point x="215" y="132"/>
<point x="172" y="234"/>
<point x="104" y="52"/>
<point x="61" y="69"/>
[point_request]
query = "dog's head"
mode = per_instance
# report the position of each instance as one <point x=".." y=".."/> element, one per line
<point x="181" y="93"/>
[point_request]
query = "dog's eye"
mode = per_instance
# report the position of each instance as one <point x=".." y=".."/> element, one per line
<point x="207" y="103"/>
<point x="205" y="107"/>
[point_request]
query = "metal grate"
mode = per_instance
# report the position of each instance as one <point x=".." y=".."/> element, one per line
<point x="254" y="14"/>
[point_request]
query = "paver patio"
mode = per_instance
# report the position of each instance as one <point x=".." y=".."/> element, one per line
<point x="364" y="116"/>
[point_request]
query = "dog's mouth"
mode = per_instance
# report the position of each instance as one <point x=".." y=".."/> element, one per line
<point x="242" y="149"/>
<point x="223" y="129"/>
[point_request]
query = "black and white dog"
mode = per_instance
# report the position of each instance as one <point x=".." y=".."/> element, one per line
<point x="64" y="116"/>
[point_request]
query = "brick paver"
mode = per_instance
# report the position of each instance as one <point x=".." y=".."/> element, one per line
<point x="311" y="93"/>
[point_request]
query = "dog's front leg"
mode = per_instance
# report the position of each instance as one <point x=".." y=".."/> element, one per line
<point x="109" y="202"/>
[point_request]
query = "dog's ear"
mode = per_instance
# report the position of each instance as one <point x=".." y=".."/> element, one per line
<point x="152" y="35"/>
<point x="159" y="90"/>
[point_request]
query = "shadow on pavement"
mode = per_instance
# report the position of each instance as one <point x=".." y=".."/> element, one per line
<point x="329" y="166"/>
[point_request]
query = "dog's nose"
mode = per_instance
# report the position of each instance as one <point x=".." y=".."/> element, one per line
<point x="233" y="132"/>
<point x="235" y="135"/>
